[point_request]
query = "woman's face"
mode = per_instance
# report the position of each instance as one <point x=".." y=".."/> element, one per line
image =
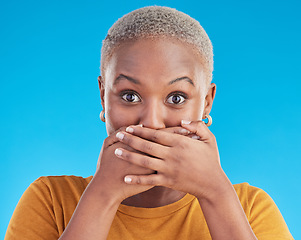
<point x="154" y="82"/>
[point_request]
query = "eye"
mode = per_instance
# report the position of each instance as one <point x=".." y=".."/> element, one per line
<point x="130" y="97"/>
<point x="176" y="98"/>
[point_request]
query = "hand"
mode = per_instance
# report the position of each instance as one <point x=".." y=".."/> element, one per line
<point x="180" y="130"/>
<point x="181" y="163"/>
<point x="111" y="171"/>
<point x="112" y="140"/>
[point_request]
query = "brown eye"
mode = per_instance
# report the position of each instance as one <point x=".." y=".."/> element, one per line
<point x="130" y="97"/>
<point x="176" y="99"/>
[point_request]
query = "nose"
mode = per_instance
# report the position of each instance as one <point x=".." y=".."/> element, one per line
<point x="153" y="116"/>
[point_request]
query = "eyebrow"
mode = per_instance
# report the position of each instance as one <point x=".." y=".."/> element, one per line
<point x="121" y="76"/>
<point x="187" y="79"/>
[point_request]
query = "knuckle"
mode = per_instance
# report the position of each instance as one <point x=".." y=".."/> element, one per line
<point x="155" y="136"/>
<point x="164" y="169"/>
<point x="167" y="155"/>
<point x="138" y="180"/>
<point x="201" y="125"/>
<point x="174" y="181"/>
<point x="145" y="162"/>
<point x="182" y="144"/>
<point x="147" y="147"/>
<point x="128" y="139"/>
<point x="171" y="182"/>
<point x="126" y="155"/>
<point x="177" y="158"/>
<point x="150" y="181"/>
<point x="176" y="173"/>
<point x="120" y="145"/>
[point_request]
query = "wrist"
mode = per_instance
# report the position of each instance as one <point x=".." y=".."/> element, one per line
<point x="221" y="189"/>
<point x="104" y="192"/>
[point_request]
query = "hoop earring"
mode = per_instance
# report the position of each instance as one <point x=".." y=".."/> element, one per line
<point x="209" y="120"/>
<point x="102" y="116"/>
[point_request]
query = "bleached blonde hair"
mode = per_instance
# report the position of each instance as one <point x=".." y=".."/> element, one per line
<point x="156" y="21"/>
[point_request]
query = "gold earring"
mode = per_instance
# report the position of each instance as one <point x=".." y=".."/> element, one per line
<point x="102" y="116"/>
<point x="209" y="120"/>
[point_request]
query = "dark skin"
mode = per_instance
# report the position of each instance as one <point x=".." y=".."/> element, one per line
<point x="157" y="83"/>
<point x="153" y="80"/>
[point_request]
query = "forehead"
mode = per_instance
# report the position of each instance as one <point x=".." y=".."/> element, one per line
<point x="159" y="60"/>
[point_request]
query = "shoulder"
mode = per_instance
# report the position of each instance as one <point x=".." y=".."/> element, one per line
<point x="60" y="187"/>
<point x="253" y="199"/>
<point x="262" y="212"/>
<point x="46" y="207"/>
<point x="64" y="180"/>
<point x="248" y="194"/>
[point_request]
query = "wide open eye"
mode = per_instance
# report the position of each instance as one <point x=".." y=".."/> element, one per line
<point x="176" y="98"/>
<point x="130" y="97"/>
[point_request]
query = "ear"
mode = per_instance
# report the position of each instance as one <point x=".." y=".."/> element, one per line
<point x="102" y="91"/>
<point x="209" y="99"/>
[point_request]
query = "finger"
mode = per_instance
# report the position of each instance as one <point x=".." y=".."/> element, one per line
<point x="194" y="136"/>
<point x="140" y="159"/>
<point x="198" y="128"/>
<point x="181" y="131"/>
<point x="158" y="136"/>
<point x="143" y="145"/>
<point x="111" y="139"/>
<point x="177" y="130"/>
<point x="152" y="179"/>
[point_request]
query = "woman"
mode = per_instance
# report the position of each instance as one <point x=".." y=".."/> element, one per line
<point x="158" y="174"/>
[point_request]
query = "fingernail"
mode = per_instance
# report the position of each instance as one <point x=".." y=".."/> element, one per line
<point x="140" y="125"/>
<point x="195" y="137"/>
<point x="120" y="135"/>
<point x="118" y="152"/>
<point x="184" y="131"/>
<point x="186" y="122"/>
<point x="129" y="129"/>
<point x="127" y="179"/>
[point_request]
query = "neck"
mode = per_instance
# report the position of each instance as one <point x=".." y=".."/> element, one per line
<point x="155" y="197"/>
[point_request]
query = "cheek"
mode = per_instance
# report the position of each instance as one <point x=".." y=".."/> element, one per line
<point x="191" y="113"/>
<point x="195" y="109"/>
<point x="116" y="119"/>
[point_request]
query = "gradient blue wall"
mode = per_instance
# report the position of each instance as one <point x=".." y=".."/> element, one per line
<point x="49" y="63"/>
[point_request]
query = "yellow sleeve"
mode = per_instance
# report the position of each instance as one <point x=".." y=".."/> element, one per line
<point x="265" y="217"/>
<point x="33" y="218"/>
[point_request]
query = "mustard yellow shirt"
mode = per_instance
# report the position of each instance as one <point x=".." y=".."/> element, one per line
<point x="46" y="207"/>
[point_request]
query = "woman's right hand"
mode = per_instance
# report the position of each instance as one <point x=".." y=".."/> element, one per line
<point x="111" y="170"/>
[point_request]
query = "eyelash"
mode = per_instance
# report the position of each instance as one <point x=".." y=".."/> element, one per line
<point x="181" y="94"/>
<point x="123" y="93"/>
<point x="177" y="93"/>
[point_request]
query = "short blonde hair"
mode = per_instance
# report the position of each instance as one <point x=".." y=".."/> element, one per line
<point x="156" y="21"/>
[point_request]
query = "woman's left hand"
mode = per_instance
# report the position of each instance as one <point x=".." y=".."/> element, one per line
<point x="186" y="164"/>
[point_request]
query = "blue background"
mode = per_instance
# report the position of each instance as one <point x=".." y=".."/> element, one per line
<point x="49" y="125"/>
